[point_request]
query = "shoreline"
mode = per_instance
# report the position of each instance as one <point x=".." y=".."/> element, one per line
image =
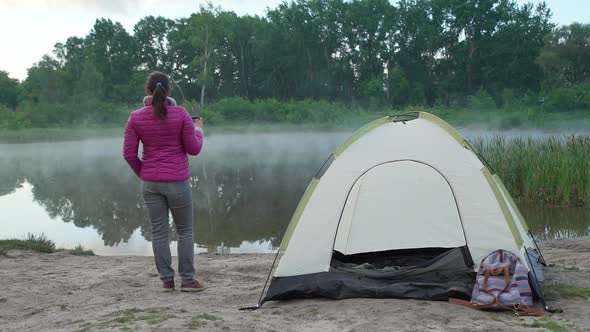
<point x="62" y="292"/>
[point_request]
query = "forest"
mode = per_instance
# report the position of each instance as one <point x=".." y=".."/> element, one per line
<point x="313" y="61"/>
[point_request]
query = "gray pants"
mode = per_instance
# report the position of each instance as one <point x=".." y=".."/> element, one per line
<point x="176" y="197"/>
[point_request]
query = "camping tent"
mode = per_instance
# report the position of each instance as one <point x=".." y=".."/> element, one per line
<point x="403" y="208"/>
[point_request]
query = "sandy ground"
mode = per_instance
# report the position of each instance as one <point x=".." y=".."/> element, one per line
<point x="61" y="292"/>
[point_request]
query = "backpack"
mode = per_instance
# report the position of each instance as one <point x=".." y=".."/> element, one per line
<point x="502" y="283"/>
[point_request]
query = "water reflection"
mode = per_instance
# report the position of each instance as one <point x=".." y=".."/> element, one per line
<point x="245" y="188"/>
<point x="548" y="223"/>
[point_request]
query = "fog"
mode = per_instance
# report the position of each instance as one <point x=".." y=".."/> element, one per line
<point x="245" y="189"/>
<point x="245" y="186"/>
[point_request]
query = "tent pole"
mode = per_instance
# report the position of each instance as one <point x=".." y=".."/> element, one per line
<point x="537" y="247"/>
<point x="259" y="304"/>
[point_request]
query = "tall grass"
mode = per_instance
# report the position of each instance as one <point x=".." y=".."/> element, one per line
<point x="33" y="242"/>
<point x="554" y="170"/>
<point x="39" y="243"/>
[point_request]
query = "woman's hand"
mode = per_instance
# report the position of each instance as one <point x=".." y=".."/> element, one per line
<point x="199" y="123"/>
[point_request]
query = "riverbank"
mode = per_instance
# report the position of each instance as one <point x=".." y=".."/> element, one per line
<point x="338" y="118"/>
<point x="59" y="291"/>
<point x="34" y="135"/>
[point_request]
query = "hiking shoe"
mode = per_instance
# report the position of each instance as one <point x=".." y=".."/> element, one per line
<point x="168" y="286"/>
<point x="194" y="286"/>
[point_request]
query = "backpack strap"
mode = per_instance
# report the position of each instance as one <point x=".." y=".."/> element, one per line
<point x="490" y="272"/>
<point x="519" y="309"/>
<point x="461" y="302"/>
<point x="522" y="309"/>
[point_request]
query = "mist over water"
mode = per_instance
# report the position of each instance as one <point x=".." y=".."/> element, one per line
<point x="245" y="189"/>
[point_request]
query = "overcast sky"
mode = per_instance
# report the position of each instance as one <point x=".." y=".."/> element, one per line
<point x="30" y="28"/>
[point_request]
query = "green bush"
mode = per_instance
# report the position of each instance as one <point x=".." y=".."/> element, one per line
<point x="211" y="117"/>
<point x="233" y="109"/>
<point x="269" y="110"/>
<point x="481" y="101"/>
<point x="569" y="98"/>
<point x="13" y="120"/>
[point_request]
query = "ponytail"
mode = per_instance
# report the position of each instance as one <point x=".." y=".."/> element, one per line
<point x="158" y="85"/>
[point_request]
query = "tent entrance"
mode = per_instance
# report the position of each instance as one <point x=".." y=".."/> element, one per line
<point x="399" y="205"/>
<point x="428" y="274"/>
<point x="400" y="235"/>
<point x="403" y="263"/>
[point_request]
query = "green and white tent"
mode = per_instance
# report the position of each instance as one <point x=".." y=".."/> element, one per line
<point x="403" y="208"/>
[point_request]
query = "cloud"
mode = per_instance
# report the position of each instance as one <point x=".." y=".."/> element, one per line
<point x="101" y="6"/>
<point x="130" y="7"/>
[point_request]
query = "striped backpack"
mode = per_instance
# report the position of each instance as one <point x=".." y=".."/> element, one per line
<point x="502" y="283"/>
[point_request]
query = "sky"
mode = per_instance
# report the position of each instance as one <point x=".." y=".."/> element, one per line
<point x="30" y="28"/>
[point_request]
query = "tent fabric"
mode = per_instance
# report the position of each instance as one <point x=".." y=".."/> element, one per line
<point x="369" y="222"/>
<point x="399" y="183"/>
<point x="442" y="277"/>
<point x="536" y="275"/>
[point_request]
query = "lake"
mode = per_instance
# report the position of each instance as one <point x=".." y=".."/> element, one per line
<point x="245" y="189"/>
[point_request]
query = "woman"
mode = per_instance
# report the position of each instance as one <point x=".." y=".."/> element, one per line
<point x="168" y="134"/>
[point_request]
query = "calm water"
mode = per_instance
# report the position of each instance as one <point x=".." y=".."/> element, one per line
<point x="245" y="188"/>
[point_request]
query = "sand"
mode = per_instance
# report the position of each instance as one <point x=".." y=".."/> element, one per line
<point x="62" y="292"/>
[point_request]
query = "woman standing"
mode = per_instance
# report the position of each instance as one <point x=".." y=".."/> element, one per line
<point x="168" y="135"/>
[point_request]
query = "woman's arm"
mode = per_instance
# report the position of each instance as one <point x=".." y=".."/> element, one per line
<point x="192" y="138"/>
<point x="131" y="146"/>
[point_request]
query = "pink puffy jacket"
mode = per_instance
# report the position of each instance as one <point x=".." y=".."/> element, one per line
<point x="166" y="143"/>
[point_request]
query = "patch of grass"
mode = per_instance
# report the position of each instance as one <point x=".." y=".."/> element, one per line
<point x="99" y="325"/>
<point x="132" y="311"/>
<point x="566" y="291"/>
<point x="38" y="243"/>
<point x="314" y="311"/>
<point x="196" y="324"/>
<point x="80" y="251"/>
<point x="154" y="319"/>
<point x="492" y="315"/>
<point x="201" y="320"/>
<point x="548" y="324"/>
<point x="206" y="316"/>
<point x="123" y="318"/>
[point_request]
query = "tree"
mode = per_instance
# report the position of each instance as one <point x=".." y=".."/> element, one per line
<point x="45" y="82"/>
<point x="151" y="34"/>
<point x="8" y="90"/>
<point x="566" y="56"/>
<point x="206" y="36"/>
<point x="416" y="48"/>
<point x="113" y="51"/>
<point x="71" y="56"/>
<point x="366" y="28"/>
<point x="510" y="62"/>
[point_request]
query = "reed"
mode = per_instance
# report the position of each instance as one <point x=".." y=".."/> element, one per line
<point x="553" y="170"/>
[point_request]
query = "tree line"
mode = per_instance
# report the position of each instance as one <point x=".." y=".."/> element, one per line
<point x="372" y="53"/>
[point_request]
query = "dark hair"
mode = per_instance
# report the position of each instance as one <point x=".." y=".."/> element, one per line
<point x="158" y="85"/>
